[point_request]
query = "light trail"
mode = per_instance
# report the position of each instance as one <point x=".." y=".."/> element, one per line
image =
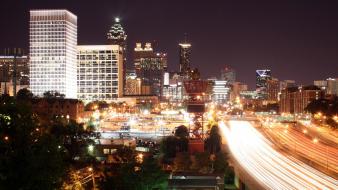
<point x="268" y="167"/>
<point x="323" y="155"/>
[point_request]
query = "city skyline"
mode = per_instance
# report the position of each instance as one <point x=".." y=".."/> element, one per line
<point x="295" y="36"/>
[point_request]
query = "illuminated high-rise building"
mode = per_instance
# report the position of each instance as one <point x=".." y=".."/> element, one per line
<point x="52" y="52"/>
<point x="150" y="67"/>
<point x="262" y="76"/>
<point x="220" y="91"/>
<point x="14" y="71"/>
<point x="117" y="36"/>
<point x="272" y="88"/>
<point x="184" y="51"/>
<point x="100" y="72"/>
<point x="228" y="74"/>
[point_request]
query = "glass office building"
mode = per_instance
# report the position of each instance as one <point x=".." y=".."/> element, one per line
<point x="100" y="72"/>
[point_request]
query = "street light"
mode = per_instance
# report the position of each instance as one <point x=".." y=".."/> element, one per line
<point x="315" y="140"/>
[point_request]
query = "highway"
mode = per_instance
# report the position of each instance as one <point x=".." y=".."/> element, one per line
<point x="298" y="141"/>
<point x="270" y="168"/>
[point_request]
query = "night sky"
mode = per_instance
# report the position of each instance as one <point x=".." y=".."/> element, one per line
<point x="295" y="39"/>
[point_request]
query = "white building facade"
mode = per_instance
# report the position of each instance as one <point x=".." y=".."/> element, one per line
<point x="52" y="45"/>
<point x="99" y="72"/>
<point x="220" y="91"/>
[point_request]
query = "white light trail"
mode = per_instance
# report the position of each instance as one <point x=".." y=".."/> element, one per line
<point x="268" y="167"/>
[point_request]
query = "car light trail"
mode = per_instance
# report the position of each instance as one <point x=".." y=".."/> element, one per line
<point x="268" y="167"/>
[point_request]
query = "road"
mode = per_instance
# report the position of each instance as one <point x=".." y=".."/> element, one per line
<point x="297" y="140"/>
<point x="270" y="168"/>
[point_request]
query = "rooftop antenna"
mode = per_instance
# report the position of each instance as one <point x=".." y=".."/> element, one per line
<point x="185" y="37"/>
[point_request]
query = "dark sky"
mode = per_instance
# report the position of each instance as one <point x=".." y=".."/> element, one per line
<point x="295" y="39"/>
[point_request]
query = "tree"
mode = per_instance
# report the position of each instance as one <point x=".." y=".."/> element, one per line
<point x="24" y="94"/>
<point x="53" y="94"/>
<point x="151" y="175"/>
<point x="221" y="162"/>
<point x="332" y="123"/>
<point x="92" y="106"/>
<point x="182" y="162"/>
<point x="201" y="162"/>
<point x="74" y="138"/>
<point x="168" y="148"/>
<point x="135" y="175"/>
<point x="213" y="142"/>
<point x="30" y="158"/>
<point x="182" y="131"/>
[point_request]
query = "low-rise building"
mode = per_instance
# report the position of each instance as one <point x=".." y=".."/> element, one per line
<point x="49" y="108"/>
<point x="181" y="181"/>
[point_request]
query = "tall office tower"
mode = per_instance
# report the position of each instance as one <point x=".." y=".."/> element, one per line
<point x="228" y="74"/>
<point x="100" y="72"/>
<point x="185" y="51"/>
<point x="262" y="76"/>
<point x="220" y="91"/>
<point x="272" y="89"/>
<point x="52" y="44"/>
<point x="117" y="36"/>
<point x="14" y="71"/>
<point x="150" y="66"/>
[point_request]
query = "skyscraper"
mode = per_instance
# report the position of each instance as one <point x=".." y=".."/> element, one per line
<point x="100" y="72"/>
<point x="52" y="45"/>
<point x="150" y="66"/>
<point x="14" y="71"/>
<point x="117" y="36"/>
<point x="228" y="74"/>
<point x="272" y="88"/>
<point x="262" y="76"/>
<point x="185" y="51"/>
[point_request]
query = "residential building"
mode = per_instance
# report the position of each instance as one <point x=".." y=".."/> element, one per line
<point x="295" y="99"/>
<point x="332" y="86"/>
<point x="322" y="84"/>
<point x="49" y="108"/>
<point x="52" y="52"/>
<point x="100" y="72"/>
